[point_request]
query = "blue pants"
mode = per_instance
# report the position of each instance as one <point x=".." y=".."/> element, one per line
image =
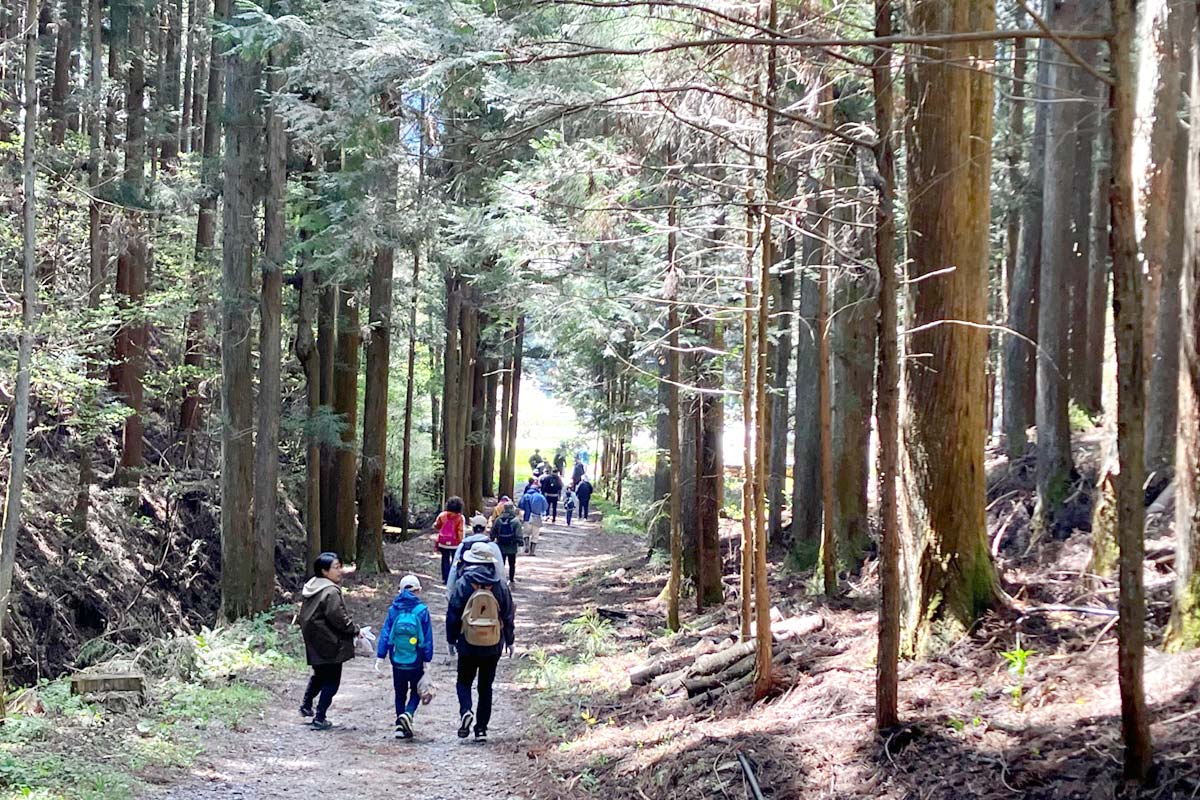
<point x="405" y="683"/>
<point x="570" y="510"/>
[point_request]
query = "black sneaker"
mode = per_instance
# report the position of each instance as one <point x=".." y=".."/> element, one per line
<point x="464" y="727"/>
<point x="480" y="735"/>
<point x="321" y="724"/>
<point x="404" y="727"/>
<point x="306" y="711"/>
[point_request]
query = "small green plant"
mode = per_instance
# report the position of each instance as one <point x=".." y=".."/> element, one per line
<point x="590" y="632"/>
<point x="544" y="670"/>
<point x="229" y="704"/>
<point x="1018" y="663"/>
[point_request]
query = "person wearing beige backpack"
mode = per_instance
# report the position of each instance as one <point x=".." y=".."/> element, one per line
<point x="479" y="626"/>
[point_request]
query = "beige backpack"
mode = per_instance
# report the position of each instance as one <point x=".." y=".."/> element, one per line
<point x="481" y="625"/>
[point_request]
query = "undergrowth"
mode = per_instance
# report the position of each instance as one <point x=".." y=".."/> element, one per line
<point x="63" y="746"/>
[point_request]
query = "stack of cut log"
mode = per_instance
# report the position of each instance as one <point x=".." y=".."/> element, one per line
<point x="710" y="668"/>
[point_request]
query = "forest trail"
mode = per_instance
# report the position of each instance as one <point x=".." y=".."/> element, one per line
<point x="278" y="756"/>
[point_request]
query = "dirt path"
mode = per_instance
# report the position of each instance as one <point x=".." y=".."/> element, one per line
<point x="278" y="756"/>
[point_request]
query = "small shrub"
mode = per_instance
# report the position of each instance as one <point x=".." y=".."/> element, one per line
<point x="590" y="632"/>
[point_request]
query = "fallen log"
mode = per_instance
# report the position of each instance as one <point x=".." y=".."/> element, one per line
<point x="795" y="627"/>
<point x="703" y="683"/>
<point x="722" y="659"/>
<point x="640" y="676"/>
<point x="730" y="688"/>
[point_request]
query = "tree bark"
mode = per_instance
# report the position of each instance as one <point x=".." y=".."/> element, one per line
<point x="1131" y="388"/>
<point x="310" y="360"/>
<point x="887" y="713"/>
<point x="953" y="580"/>
<point x="660" y="533"/>
<point x="487" y="474"/>
<point x="243" y="156"/>
<point x="671" y="295"/>
<point x="1055" y="467"/>
<point x="710" y="470"/>
<point x="1097" y="313"/>
<point x="327" y="325"/>
<point x="780" y="363"/>
<point x="29" y="316"/>
<point x="270" y="340"/>
<point x="1162" y="397"/>
<point x="206" y="230"/>
<point x="69" y="26"/>
<point x="373" y="473"/>
<point x="508" y="476"/>
<point x="189" y="68"/>
<point x="829" y="549"/>
<point x="345" y="406"/>
<point x="1083" y="365"/>
<point x="473" y="472"/>
<point x="409" y="391"/>
<point x="451" y="391"/>
<point x="1184" y="629"/>
<point x="132" y="261"/>
<point x="1020" y="347"/>
<point x="748" y="383"/>
<point x="169" y="105"/>
<point x="807" y="506"/>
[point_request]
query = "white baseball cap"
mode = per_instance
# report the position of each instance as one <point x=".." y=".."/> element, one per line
<point x="410" y="582"/>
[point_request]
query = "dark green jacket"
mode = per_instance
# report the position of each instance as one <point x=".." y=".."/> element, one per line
<point x="328" y="630"/>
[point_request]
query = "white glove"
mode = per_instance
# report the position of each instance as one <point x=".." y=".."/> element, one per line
<point x="379" y="666"/>
<point x="366" y="635"/>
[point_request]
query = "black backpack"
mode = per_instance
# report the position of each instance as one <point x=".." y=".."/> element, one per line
<point x="507" y="531"/>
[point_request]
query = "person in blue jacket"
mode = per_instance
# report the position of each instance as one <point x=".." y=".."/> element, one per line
<point x="478" y="660"/>
<point x="407" y="636"/>
<point x="534" y="504"/>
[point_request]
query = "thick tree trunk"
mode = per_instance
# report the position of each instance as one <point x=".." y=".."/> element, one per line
<point x="310" y="360"/>
<point x="1131" y="404"/>
<point x="710" y="472"/>
<point x="671" y="295"/>
<point x="1097" y="312"/>
<point x="132" y="261"/>
<point x="1162" y="397"/>
<point x="829" y="543"/>
<point x="327" y="324"/>
<point x="206" y="230"/>
<point x="204" y="65"/>
<point x="169" y="102"/>
<point x="243" y="155"/>
<point x="190" y="32"/>
<point x="746" y="585"/>
<point x="1083" y="366"/>
<point x="853" y="367"/>
<point x="345" y="406"/>
<point x="1184" y="629"/>
<point x="807" y="507"/>
<point x="508" y="476"/>
<point x="1020" y="352"/>
<point x="887" y="713"/>
<point x="473" y="472"/>
<point x="270" y="340"/>
<point x="451" y="391"/>
<point x="487" y="469"/>
<point x="69" y="26"/>
<point x="1055" y="468"/>
<point x="953" y="580"/>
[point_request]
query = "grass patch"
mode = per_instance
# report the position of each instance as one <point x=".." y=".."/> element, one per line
<point x="202" y="705"/>
<point x="50" y="776"/>
<point x="617" y="522"/>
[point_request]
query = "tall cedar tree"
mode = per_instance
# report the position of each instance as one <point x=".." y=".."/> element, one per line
<point x="949" y="138"/>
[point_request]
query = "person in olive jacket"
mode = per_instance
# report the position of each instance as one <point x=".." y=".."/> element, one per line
<point x="328" y="636"/>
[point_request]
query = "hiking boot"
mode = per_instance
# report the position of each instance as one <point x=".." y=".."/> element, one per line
<point x="464" y="727"/>
<point x="321" y="724"/>
<point x="480" y="735"/>
<point x="404" y="727"/>
<point x="306" y="711"/>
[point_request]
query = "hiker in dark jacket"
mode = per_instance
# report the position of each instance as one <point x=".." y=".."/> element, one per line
<point x="329" y="636"/>
<point x="583" y="490"/>
<point x="552" y="487"/>
<point x="578" y="471"/>
<point x="506" y="533"/>
<point x="470" y="596"/>
<point x="407" y="637"/>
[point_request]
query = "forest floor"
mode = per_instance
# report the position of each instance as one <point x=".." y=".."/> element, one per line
<point x="276" y="755"/>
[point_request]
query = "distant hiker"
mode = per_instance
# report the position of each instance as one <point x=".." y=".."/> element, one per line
<point x="479" y="625"/>
<point x="499" y="509"/>
<point x="478" y="534"/>
<point x="552" y="487"/>
<point x="449" y="526"/>
<point x="578" y="471"/>
<point x="560" y="461"/>
<point x="328" y="634"/>
<point x="535" y="507"/>
<point x="532" y="483"/>
<point x="570" y="503"/>
<point x="407" y="636"/>
<point x="535" y="460"/>
<point x="583" y="455"/>
<point x="506" y="533"/>
<point x="478" y="523"/>
<point x="583" y="490"/>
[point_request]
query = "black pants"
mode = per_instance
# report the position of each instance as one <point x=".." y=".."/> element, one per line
<point x="553" y="512"/>
<point x="583" y="507"/>
<point x="568" y="509"/>
<point x="324" y="682"/>
<point x="404" y="682"/>
<point x="447" y="558"/>
<point x="468" y="667"/>
<point x="511" y="558"/>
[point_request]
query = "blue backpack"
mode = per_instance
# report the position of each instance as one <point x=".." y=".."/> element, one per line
<point x="407" y="638"/>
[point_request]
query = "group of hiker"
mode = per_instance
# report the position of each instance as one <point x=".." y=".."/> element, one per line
<point x="479" y="628"/>
<point x="480" y="611"/>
